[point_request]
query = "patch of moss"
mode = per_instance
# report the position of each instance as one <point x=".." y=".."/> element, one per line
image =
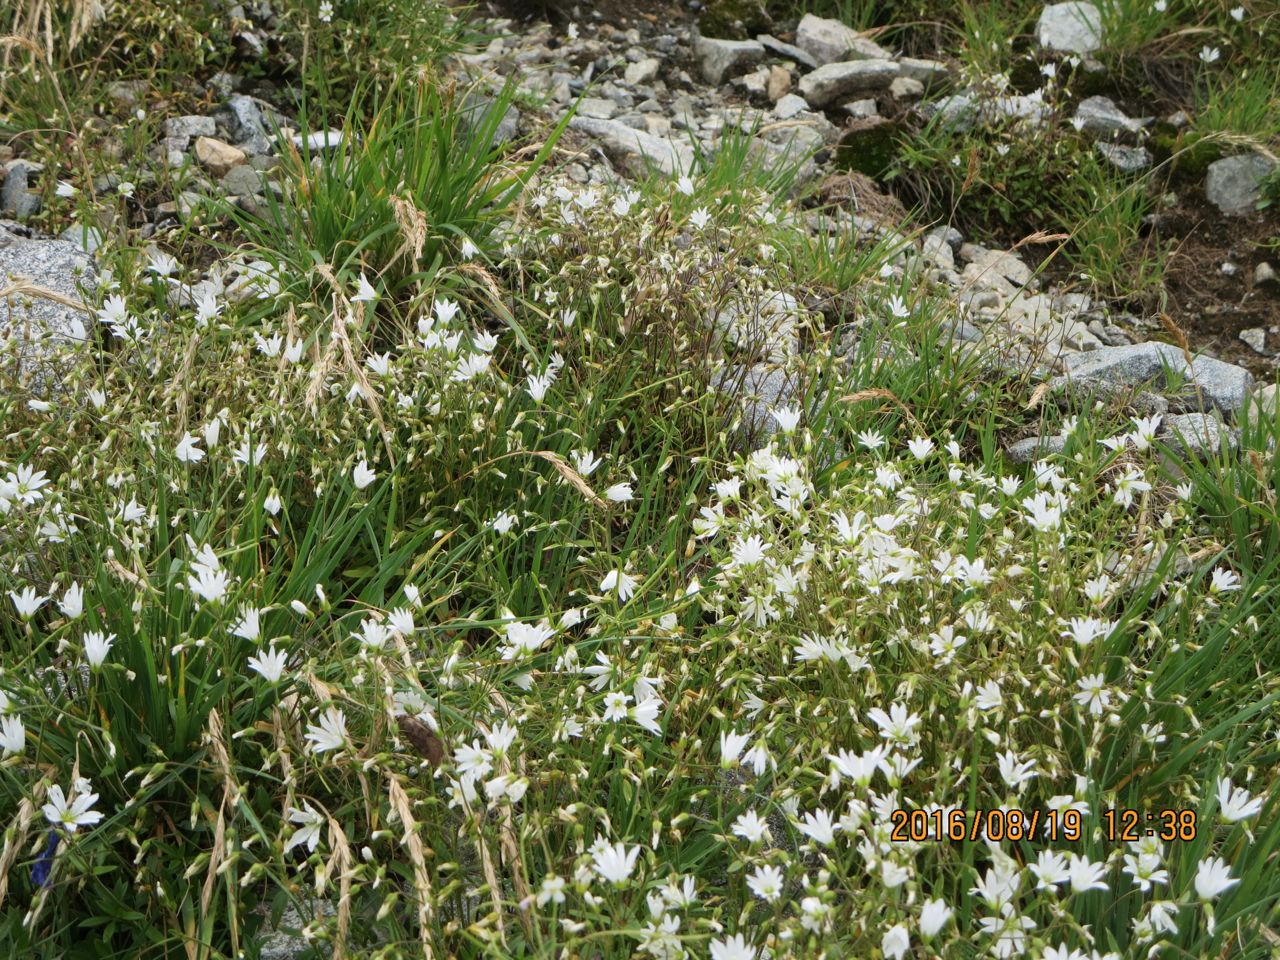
<point x="869" y="146"/>
<point x="734" y="19"/>
<point x="1190" y="152"/>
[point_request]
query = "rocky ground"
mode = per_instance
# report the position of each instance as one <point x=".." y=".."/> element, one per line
<point x="646" y="88"/>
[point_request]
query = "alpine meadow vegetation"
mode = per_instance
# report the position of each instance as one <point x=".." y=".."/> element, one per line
<point x="398" y="567"/>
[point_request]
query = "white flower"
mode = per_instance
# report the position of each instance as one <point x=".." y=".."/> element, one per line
<point x="270" y="664"/>
<point x="208" y="582"/>
<point x="96" y="647"/>
<point x="66" y="188"/>
<point x="1084" y="630"/>
<point x="920" y="447"/>
<point x="526" y="638"/>
<point x="552" y="890"/>
<point x="187" y="451"/>
<point x="585" y="462"/>
<point x="896" y="942"/>
<point x="1234" y="803"/>
<point x="326" y="11"/>
<point x="1013" y="770"/>
<point x="700" y="218"/>
<point x="933" y="916"/>
<point x="161" y="264"/>
<point x="362" y="475"/>
<point x="766" y="883"/>
<point x="330" y="733"/>
<point x="1213" y="877"/>
<point x="819" y="826"/>
<point x="364" y="291"/>
<point x="469" y="367"/>
<point x="619" y="493"/>
<point x="614" y="863"/>
<point x="788" y="418"/>
<point x="72" y="602"/>
<point x="1209" y="54"/>
<point x="750" y="826"/>
<point x="896" y="726"/>
<point x="624" y="583"/>
<point x="1093" y="693"/>
<point x="272" y="503"/>
<point x="310" y="821"/>
<point x="1085" y="875"/>
<point x="504" y="522"/>
<point x="1223" y="581"/>
<point x="74" y="811"/>
<point x="1237" y="14"/>
<point x="13" y="734"/>
<point x="733" y="948"/>
<point x="685" y="185"/>
<point x="27" y="602"/>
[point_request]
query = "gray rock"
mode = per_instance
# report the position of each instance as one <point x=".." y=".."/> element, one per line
<point x="476" y="107"/>
<point x="190" y="126"/>
<point x="959" y="111"/>
<point x="1029" y="109"/>
<point x="1256" y="338"/>
<point x="787" y="51"/>
<point x="1034" y="448"/>
<point x="830" y="41"/>
<point x="242" y="181"/>
<point x="34" y="323"/>
<point x="755" y="84"/>
<point x="1224" y="386"/>
<point x="127" y="94"/>
<point x="249" y="125"/>
<point x="834" y="82"/>
<point x="905" y="88"/>
<point x="1264" y="275"/>
<point x="953" y="237"/>
<point x="1123" y="158"/>
<point x="597" y="108"/>
<point x="764" y="328"/>
<point x="1099" y="117"/>
<point x="929" y="72"/>
<point x="634" y="148"/>
<point x="861" y="109"/>
<point x="1264" y="401"/>
<point x="641" y="72"/>
<point x="759" y="388"/>
<point x="1234" y="184"/>
<point x="789" y="106"/>
<point x="984" y="262"/>
<point x="85" y="236"/>
<point x="719" y="59"/>
<point x="1072" y="27"/>
<point x="16" y="198"/>
<point x="1197" y="434"/>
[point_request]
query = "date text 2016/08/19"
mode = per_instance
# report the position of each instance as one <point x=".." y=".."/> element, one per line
<point x="1120" y="826"/>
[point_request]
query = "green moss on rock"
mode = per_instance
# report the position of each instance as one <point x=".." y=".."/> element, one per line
<point x="734" y="19"/>
<point x="869" y="146"/>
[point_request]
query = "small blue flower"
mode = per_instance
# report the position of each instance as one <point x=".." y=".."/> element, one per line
<point x="43" y="867"/>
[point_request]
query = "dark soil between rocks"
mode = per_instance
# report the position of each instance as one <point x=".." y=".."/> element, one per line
<point x="1213" y="306"/>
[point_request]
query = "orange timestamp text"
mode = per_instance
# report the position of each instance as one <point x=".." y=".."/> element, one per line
<point x="1068" y="824"/>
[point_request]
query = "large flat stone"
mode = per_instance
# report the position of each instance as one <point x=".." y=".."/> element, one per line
<point x="720" y="59"/>
<point x="1072" y="27"/>
<point x="33" y="324"/>
<point x="1234" y="184"/>
<point x="829" y="41"/>
<point x="634" y="148"/>
<point x="1209" y="383"/>
<point x="834" y="82"/>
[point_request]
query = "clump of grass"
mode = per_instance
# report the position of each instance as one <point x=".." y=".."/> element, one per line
<point x="413" y="188"/>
